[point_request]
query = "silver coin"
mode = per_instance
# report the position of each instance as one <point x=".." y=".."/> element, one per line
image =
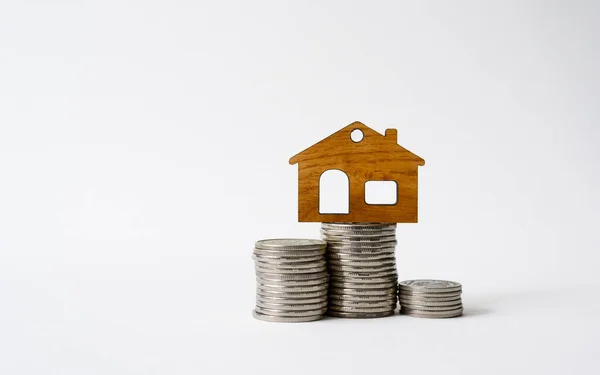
<point x="387" y="267"/>
<point x="291" y="283"/>
<point x="417" y="302"/>
<point x="375" y="240"/>
<point x="427" y="299"/>
<point x="373" y="237"/>
<point x="412" y="306"/>
<point x="291" y="277"/>
<point x="340" y="314"/>
<point x="291" y="266"/>
<point x="430" y="286"/>
<point x="389" y="307"/>
<point x="290" y="244"/>
<point x="392" y="278"/>
<point x="361" y="226"/>
<point x="290" y="301"/>
<point x="346" y="285"/>
<point x="269" y="264"/>
<point x="364" y="246"/>
<point x="432" y="314"/>
<point x="285" y="276"/>
<point x="359" y="246"/>
<point x="368" y="274"/>
<point x="326" y="227"/>
<point x="358" y="240"/>
<point x="357" y="233"/>
<point x="291" y="307"/>
<point x="277" y="259"/>
<point x="280" y="312"/>
<point x="370" y="249"/>
<point x="293" y="295"/>
<point x="362" y="262"/>
<point x="283" y="299"/>
<point x="296" y="295"/>
<point x="428" y="296"/>
<point x="299" y="258"/>
<point x="355" y="278"/>
<point x="376" y="264"/>
<point x="292" y="289"/>
<point x="356" y="257"/>
<point x="362" y="298"/>
<point x="290" y="261"/>
<point x="361" y="291"/>
<point x="291" y="271"/>
<point x="362" y="304"/>
<point x="289" y="253"/>
<point x="286" y="319"/>
<point x="338" y="305"/>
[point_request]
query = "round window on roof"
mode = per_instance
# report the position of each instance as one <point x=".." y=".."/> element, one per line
<point x="357" y="135"/>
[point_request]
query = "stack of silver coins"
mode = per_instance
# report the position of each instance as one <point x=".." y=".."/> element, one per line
<point x="291" y="280"/>
<point x="362" y="269"/>
<point x="430" y="298"/>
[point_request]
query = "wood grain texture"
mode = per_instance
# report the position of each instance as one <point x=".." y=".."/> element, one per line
<point x="375" y="158"/>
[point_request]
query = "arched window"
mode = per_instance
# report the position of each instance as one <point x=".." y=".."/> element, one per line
<point x="334" y="192"/>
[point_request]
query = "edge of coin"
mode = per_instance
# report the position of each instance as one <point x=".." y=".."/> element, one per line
<point x="283" y="319"/>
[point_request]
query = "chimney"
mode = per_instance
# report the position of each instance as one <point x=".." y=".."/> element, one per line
<point x="391" y="135"/>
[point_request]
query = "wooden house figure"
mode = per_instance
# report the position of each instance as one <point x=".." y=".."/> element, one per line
<point x="364" y="156"/>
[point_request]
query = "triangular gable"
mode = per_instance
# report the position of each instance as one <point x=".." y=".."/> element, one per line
<point x="368" y="132"/>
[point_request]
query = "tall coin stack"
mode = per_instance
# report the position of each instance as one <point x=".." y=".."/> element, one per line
<point x="362" y="269"/>
<point x="291" y="280"/>
<point x="430" y="298"/>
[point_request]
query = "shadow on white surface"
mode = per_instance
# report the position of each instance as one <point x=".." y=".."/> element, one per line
<point x="476" y="311"/>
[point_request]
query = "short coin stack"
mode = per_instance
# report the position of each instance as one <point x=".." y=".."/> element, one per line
<point x="362" y="269"/>
<point x="430" y="298"/>
<point x="291" y="280"/>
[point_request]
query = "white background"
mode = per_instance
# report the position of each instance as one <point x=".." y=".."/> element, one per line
<point x="144" y="147"/>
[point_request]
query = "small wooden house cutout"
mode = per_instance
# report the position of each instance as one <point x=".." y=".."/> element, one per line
<point x="372" y="157"/>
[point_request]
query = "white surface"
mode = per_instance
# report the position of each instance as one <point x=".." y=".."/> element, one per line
<point x="381" y="192"/>
<point x="144" y="148"/>
<point x="334" y="192"/>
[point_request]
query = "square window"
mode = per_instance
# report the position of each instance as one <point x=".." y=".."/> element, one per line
<point x="381" y="192"/>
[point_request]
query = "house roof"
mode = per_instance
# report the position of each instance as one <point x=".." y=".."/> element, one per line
<point x="386" y="142"/>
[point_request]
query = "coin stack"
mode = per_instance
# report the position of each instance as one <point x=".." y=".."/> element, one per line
<point x="362" y="269"/>
<point x="291" y="280"/>
<point x="430" y="298"/>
